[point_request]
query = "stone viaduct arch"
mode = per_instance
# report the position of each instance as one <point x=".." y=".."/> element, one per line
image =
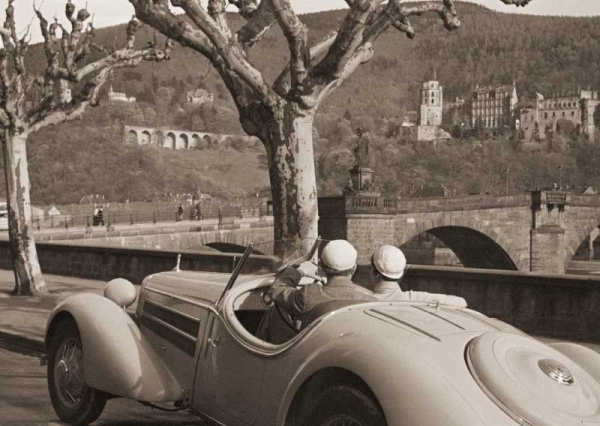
<point x="171" y="141"/>
<point x="177" y="139"/>
<point x="145" y="138"/>
<point x="131" y="137"/>
<point x="184" y="142"/>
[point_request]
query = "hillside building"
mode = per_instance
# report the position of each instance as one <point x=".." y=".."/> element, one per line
<point x="543" y="117"/>
<point x="198" y="97"/>
<point x="431" y="112"/>
<point x="494" y="107"/>
<point x="119" y="96"/>
<point x="590" y="101"/>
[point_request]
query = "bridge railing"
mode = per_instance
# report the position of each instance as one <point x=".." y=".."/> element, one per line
<point x="221" y="214"/>
<point x="331" y="206"/>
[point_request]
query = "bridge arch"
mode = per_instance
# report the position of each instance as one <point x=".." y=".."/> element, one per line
<point x="226" y="247"/>
<point x="131" y="137"/>
<point x="171" y="141"/>
<point x="196" y="140"/>
<point x="158" y="138"/>
<point x="476" y="244"/>
<point x="575" y="239"/>
<point x="145" y="138"/>
<point x="185" y="142"/>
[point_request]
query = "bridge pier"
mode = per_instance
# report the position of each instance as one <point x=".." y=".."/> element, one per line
<point x="547" y="233"/>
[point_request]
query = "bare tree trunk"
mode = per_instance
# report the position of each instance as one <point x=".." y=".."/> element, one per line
<point x="26" y="266"/>
<point x="292" y="175"/>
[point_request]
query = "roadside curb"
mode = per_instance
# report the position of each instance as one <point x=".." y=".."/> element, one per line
<point x="22" y="342"/>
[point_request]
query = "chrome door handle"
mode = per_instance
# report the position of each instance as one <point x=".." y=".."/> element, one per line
<point x="214" y="342"/>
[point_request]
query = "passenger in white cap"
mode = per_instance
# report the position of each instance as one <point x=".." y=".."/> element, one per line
<point x="387" y="267"/>
<point x="338" y="262"/>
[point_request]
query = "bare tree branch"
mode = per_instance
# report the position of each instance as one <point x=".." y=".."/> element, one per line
<point x="258" y="24"/>
<point x="349" y="39"/>
<point x="225" y="54"/>
<point x="216" y="10"/>
<point x="49" y="112"/>
<point x="282" y="85"/>
<point x="84" y="48"/>
<point x="247" y="8"/>
<point x="517" y="3"/>
<point x="297" y="36"/>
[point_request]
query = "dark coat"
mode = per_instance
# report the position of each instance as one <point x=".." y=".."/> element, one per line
<point x="301" y="304"/>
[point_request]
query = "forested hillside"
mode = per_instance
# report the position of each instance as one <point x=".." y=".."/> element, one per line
<point x="542" y="54"/>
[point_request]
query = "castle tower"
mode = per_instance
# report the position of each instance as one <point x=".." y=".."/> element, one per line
<point x="432" y="103"/>
<point x="589" y="101"/>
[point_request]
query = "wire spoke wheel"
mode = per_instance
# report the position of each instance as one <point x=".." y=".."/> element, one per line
<point x="342" y="405"/>
<point x="73" y="400"/>
<point x="68" y="372"/>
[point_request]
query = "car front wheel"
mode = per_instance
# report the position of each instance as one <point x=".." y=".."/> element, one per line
<point x="74" y="402"/>
<point x="343" y="406"/>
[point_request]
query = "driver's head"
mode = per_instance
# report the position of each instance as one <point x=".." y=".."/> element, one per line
<point x="338" y="258"/>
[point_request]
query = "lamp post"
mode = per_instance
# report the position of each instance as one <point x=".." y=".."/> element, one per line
<point x="560" y="176"/>
<point x="507" y="169"/>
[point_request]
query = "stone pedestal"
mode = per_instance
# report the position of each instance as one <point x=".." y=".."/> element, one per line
<point x="362" y="182"/>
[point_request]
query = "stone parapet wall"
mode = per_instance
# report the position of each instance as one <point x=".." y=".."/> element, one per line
<point x="106" y="263"/>
<point x="561" y="306"/>
<point x="187" y="238"/>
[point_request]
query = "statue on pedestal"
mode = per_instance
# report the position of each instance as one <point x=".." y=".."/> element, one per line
<point x="361" y="150"/>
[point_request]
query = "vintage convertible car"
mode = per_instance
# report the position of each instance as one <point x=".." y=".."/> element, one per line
<point x="193" y="342"/>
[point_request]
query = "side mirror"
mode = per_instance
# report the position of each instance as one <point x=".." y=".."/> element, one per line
<point x="120" y="291"/>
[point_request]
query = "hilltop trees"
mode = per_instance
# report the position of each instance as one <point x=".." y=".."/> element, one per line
<point x="76" y="69"/>
<point x="281" y="113"/>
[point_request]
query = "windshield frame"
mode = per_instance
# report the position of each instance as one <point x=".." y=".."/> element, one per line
<point x="250" y="249"/>
<point x="235" y="273"/>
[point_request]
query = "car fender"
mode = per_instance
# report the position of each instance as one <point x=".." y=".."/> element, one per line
<point x="117" y="358"/>
<point x="414" y="393"/>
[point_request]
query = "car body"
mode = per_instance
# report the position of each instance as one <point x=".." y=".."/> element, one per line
<point x="193" y="342"/>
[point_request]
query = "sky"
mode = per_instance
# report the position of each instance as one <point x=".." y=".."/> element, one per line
<point x="112" y="12"/>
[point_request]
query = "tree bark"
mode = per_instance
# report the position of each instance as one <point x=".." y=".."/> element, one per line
<point x="26" y="267"/>
<point x="292" y="174"/>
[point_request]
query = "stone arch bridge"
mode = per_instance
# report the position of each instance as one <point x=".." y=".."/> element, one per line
<point x="532" y="232"/>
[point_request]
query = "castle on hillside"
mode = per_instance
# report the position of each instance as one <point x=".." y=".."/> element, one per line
<point x="544" y="116"/>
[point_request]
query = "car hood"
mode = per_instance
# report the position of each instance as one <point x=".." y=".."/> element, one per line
<point x="202" y="286"/>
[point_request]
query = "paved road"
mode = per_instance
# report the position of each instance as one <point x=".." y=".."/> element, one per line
<point x="24" y="399"/>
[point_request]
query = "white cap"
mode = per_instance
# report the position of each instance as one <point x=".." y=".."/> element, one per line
<point x="389" y="261"/>
<point x="339" y="255"/>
